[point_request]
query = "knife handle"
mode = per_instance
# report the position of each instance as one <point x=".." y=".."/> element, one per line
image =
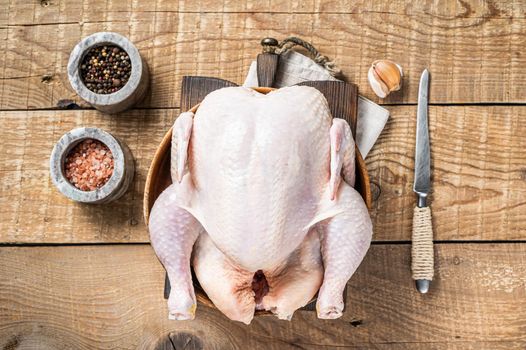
<point x="422" y="264"/>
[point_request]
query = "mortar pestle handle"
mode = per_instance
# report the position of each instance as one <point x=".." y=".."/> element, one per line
<point x="267" y="63"/>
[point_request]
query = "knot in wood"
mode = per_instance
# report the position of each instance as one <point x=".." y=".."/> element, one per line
<point x="179" y="341"/>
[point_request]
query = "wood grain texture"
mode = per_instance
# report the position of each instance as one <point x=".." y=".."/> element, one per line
<point x="474" y="49"/>
<point x="70" y="10"/>
<point x="87" y="297"/>
<point x="478" y="159"/>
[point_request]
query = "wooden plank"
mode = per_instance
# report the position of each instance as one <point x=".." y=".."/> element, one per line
<point x="75" y="11"/>
<point x="474" y="50"/>
<point x="87" y="297"/>
<point x="479" y="175"/>
<point x="32" y="210"/>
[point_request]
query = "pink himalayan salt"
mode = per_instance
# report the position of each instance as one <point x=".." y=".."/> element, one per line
<point x="89" y="165"/>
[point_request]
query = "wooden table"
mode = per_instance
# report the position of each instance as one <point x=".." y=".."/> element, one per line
<point x="85" y="277"/>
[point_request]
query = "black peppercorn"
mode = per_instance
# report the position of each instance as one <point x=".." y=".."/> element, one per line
<point x="109" y="67"/>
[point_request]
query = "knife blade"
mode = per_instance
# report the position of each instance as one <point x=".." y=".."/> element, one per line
<point x="422" y="181"/>
<point x="422" y="239"/>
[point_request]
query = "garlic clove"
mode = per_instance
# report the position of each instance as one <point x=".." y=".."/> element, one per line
<point x="385" y="76"/>
<point x="389" y="72"/>
<point x="379" y="88"/>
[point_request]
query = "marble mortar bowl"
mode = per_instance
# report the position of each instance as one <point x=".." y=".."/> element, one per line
<point x="117" y="184"/>
<point x="130" y="94"/>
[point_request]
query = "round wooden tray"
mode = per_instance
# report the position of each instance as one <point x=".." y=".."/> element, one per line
<point x="159" y="179"/>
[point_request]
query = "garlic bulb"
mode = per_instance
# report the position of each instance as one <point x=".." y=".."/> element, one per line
<point x="384" y="77"/>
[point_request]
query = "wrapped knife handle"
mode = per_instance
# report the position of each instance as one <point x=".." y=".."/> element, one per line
<point x="422" y="264"/>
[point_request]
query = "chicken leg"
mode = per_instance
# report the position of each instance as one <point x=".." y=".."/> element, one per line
<point x="345" y="239"/>
<point x="173" y="232"/>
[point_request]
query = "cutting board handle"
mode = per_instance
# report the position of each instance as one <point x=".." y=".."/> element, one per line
<point x="267" y="67"/>
<point x="267" y="63"/>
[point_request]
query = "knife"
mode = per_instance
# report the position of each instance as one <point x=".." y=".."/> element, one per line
<point x="422" y="264"/>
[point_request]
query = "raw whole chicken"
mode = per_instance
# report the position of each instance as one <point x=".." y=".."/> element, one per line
<point x="262" y="205"/>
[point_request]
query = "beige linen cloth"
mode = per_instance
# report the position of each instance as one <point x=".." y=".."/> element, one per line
<point x="295" y="68"/>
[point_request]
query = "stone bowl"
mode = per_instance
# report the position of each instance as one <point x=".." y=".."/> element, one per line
<point x="159" y="179"/>
<point x="130" y="94"/>
<point x="117" y="184"/>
